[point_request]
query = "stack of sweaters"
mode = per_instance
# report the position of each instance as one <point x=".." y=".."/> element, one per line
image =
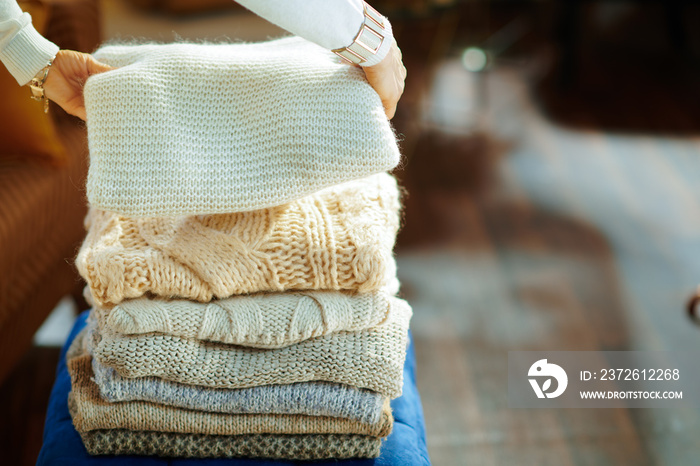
<point x="246" y="314"/>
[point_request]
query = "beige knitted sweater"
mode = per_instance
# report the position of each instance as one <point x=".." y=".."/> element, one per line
<point x="191" y="129"/>
<point x="338" y="239"/>
<point x="274" y="446"/>
<point x="372" y="358"/>
<point x="91" y="412"/>
<point x="263" y="320"/>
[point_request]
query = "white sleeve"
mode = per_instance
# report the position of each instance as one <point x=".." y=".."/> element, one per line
<point x="22" y="49"/>
<point x="332" y="24"/>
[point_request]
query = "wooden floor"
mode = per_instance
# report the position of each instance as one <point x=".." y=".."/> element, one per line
<point x="522" y="234"/>
<point x="519" y="234"/>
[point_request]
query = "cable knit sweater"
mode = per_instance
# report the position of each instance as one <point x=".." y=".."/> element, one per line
<point x="263" y="320"/>
<point x="338" y="239"/>
<point x="371" y="358"/>
<point x="190" y="129"/>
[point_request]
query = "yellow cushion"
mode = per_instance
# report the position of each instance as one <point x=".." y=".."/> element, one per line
<point x="27" y="132"/>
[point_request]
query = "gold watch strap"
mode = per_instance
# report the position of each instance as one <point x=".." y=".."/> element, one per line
<point x="36" y="85"/>
<point x="368" y="39"/>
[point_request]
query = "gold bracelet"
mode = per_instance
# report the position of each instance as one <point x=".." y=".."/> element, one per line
<point x="367" y="41"/>
<point x="37" y="85"/>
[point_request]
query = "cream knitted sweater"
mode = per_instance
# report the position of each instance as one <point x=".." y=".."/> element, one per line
<point x="263" y="320"/>
<point x="371" y="358"/>
<point x="338" y="239"/>
<point x="189" y="129"/>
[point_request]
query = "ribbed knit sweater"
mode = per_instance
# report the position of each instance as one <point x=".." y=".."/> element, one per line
<point x="91" y="412"/>
<point x="22" y="49"/>
<point x="309" y="398"/>
<point x="331" y="24"/>
<point x="338" y="239"/>
<point x="371" y="358"/>
<point x="191" y="129"/>
<point x="291" y="447"/>
<point x="263" y="320"/>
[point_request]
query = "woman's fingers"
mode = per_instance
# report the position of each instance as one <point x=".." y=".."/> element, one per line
<point x="388" y="78"/>
<point x="66" y="78"/>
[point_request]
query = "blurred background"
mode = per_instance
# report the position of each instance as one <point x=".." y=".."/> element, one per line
<point x="551" y="153"/>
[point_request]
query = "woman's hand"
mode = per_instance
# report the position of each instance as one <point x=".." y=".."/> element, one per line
<point x="67" y="76"/>
<point x="387" y="78"/>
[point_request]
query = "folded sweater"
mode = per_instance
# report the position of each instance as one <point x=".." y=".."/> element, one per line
<point x="190" y="129"/>
<point x="338" y="239"/>
<point x="263" y="320"/>
<point x="310" y="398"/>
<point x="175" y="445"/>
<point x="91" y="412"/>
<point x="372" y="358"/>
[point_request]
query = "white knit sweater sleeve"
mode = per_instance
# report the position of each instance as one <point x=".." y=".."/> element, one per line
<point x="22" y="49"/>
<point x="332" y="24"/>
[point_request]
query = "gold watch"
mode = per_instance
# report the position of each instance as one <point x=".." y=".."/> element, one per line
<point x="368" y="39"/>
<point x="37" y="85"/>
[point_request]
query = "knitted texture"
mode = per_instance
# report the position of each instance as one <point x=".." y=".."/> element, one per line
<point x="310" y="398"/>
<point x="338" y="239"/>
<point x="292" y="447"/>
<point x="91" y="412"/>
<point x="371" y="358"/>
<point x="266" y="320"/>
<point x="189" y="129"/>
